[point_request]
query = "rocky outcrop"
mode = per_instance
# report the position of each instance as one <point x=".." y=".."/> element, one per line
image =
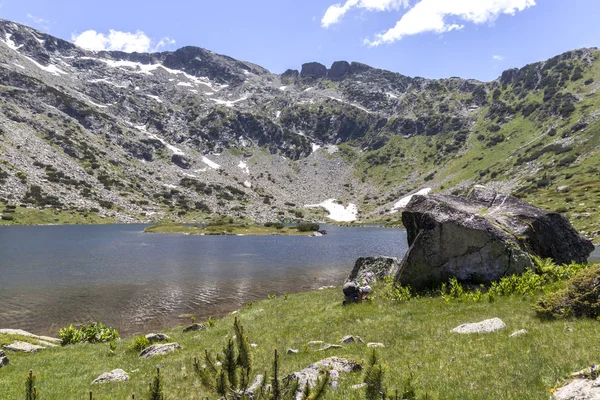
<point x="116" y="375"/>
<point x="159" y="350"/>
<point x="338" y="70"/>
<point x="157" y="337"/>
<point x="368" y="270"/>
<point x="481" y="238"/>
<point x="585" y="385"/>
<point x="181" y="161"/>
<point x="313" y="70"/>
<point x="194" y="327"/>
<point x="487" y="326"/>
<point x="311" y="374"/>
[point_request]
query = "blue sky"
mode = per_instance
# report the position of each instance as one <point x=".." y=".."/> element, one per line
<point x="434" y="38"/>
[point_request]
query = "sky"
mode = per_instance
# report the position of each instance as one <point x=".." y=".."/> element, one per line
<point x="430" y="38"/>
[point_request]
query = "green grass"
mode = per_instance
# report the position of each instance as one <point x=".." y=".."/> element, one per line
<point x="33" y="216"/>
<point x="417" y="335"/>
<point x="227" y="229"/>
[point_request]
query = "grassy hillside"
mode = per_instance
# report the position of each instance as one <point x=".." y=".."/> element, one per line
<point x="416" y="334"/>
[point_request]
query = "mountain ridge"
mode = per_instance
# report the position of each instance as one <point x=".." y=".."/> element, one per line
<point x="190" y="133"/>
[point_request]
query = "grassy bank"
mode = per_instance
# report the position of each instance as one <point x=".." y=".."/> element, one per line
<point x="227" y="229"/>
<point x="416" y="334"/>
<point x="32" y="216"/>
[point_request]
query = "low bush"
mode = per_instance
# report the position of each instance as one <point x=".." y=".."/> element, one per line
<point x="140" y="343"/>
<point x="305" y="226"/>
<point x="276" y="225"/>
<point x="581" y="297"/>
<point x="92" y="333"/>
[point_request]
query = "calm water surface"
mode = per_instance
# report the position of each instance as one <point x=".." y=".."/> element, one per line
<point x="56" y="275"/>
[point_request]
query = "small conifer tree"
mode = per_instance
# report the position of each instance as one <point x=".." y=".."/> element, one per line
<point x="30" y="389"/>
<point x="374" y="379"/>
<point x="156" y="388"/>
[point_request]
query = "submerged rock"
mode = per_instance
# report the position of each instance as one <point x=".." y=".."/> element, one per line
<point x="116" y="375"/>
<point x="368" y="270"/>
<point x="481" y="238"/>
<point x="23" y="347"/>
<point x="159" y="350"/>
<point x="487" y="326"/>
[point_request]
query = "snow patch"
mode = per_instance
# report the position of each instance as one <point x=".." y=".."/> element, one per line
<point x="10" y="43"/>
<point x="337" y="212"/>
<point x="248" y="184"/>
<point x="229" y="103"/>
<point x="278" y="114"/>
<point x="186" y="84"/>
<point x="106" y="81"/>
<point x="244" y="167"/>
<point x="315" y="147"/>
<point x="403" y="202"/>
<point x="53" y="69"/>
<point x="170" y="186"/>
<point x="391" y="95"/>
<point x="155" y="98"/>
<point x="209" y="94"/>
<point x="332" y="148"/>
<point x="282" y="88"/>
<point x="308" y="89"/>
<point x="210" y="163"/>
<point x="19" y="65"/>
<point x="174" y="149"/>
<point x="98" y="105"/>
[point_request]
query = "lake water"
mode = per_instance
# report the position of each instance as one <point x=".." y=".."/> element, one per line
<point x="137" y="282"/>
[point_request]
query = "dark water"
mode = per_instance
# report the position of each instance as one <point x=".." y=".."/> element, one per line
<point x="56" y="275"/>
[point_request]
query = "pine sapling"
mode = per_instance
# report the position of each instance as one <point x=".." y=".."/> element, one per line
<point x="156" y="388"/>
<point x="374" y="379"/>
<point x="30" y="389"/>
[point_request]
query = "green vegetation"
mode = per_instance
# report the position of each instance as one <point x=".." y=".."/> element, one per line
<point x="232" y="228"/>
<point x="20" y="215"/>
<point x="140" y="343"/>
<point x="92" y="333"/>
<point x="421" y="356"/>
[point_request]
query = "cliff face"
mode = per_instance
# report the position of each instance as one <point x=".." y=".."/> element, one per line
<point x="134" y="136"/>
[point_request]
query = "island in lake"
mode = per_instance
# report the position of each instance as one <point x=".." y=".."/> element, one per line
<point x="239" y="228"/>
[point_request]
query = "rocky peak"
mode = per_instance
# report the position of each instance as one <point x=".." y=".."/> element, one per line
<point x="338" y="70"/>
<point x="313" y="70"/>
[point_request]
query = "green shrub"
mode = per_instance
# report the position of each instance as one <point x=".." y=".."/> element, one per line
<point x="581" y="297"/>
<point x="305" y="226"/>
<point x="276" y="225"/>
<point x="8" y="217"/>
<point x="140" y="343"/>
<point x="92" y="333"/>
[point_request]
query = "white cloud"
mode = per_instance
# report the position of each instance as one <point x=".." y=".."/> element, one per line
<point x="433" y="15"/>
<point x="122" y="41"/>
<point x="498" y="58"/>
<point x="41" y="22"/>
<point x="334" y="13"/>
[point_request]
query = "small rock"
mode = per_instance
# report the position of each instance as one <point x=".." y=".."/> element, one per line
<point x="3" y="359"/>
<point x="116" y="375"/>
<point x="157" y="337"/>
<point x="159" y="349"/>
<point x="348" y="339"/>
<point x="518" y="333"/>
<point x="317" y="234"/>
<point x="487" y="326"/>
<point x="23" y="347"/>
<point x="359" y="386"/>
<point x="292" y="351"/>
<point x="194" y="327"/>
<point x="253" y="345"/>
<point x="311" y="374"/>
<point x="563" y="189"/>
<point x="375" y="345"/>
<point x="315" y="342"/>
<point x="330" y="346"/>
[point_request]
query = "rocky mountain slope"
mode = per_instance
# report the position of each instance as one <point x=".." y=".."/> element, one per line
<point x="184" y="134"/>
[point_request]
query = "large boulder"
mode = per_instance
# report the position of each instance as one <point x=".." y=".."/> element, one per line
<point x="481" y="238"/>
<point x="368" y="270"/>
<point x="3" y="359"/>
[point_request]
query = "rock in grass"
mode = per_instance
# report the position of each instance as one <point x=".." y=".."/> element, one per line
<point x="23" y="347"/>
<point x="359" y="386"/>
<point x="116" y="375"/>
<point x="329" y="346"/>
<point x="375" y="345"/>
<point x="347" y="339"/>
<point x="334" y="365"/>
<point x="487" y="326"/>
<point x="579" y="389"/>
<point x="31" y="335"/>
<point x="369" y="270"/>
<point x="315" y="342"/>
<point x="157" y="337"/>
<point x="292" y="351"/>
<point x="3" y="359"/>
<point x="518" y="333"/>
<point x="159" y="350"/>
<point x="194" y="327"/>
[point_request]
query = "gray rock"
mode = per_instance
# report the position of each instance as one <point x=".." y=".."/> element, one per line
<point x="315" y="342"/>
<point x="368" y="270"/>
<point x="31" y="335"/>
<point x="329" y="346"/>
<point x="194" y="327"/>
<point x="3" y="359"/>
<point x="518" y="333"/>
<point x="313" y="70"/>
<point x="486" y="326"/>
<point x="116" y="375"/>
<point x="579" y="389"/>
<point x="563" y="189"/>
<point x="481" y="238"/>
<point x="338" y="70"/>
<point x="23" y="347"/>
<point x="157" y="337"/>
<point x="351" y="339"/>
<point x="375" y="345"/>
<point x="292" y="351"/>
<point x="310" y="374"/>
<point x="159" y="350"/>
